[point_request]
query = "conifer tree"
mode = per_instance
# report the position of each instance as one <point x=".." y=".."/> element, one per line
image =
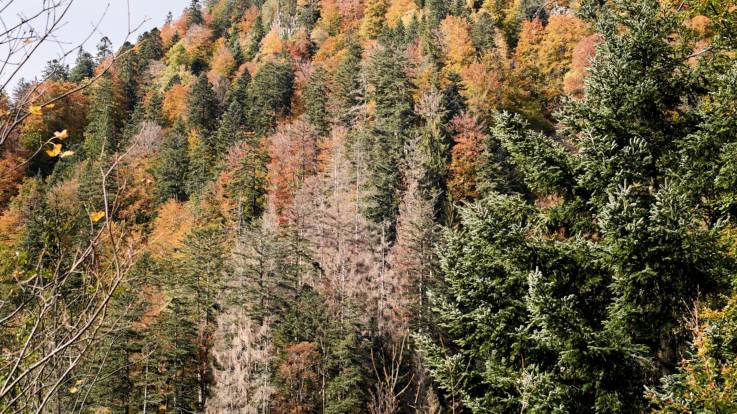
<point x="269" y="95"/>
<point x="388" y="133"/>
<point x="316" y="101"/>
<point x="229" y="131"/>
<point x="173" y="165"/>
<point x="84" y="67"/>
<point x="56" y="71"/>
<point x="194" y="14"/>
<point x="102" y="132"/>
<point x="348" y="87"/>
<point x="239" y="93"/>
<point x="257" y="34"/>
<point x="617" y="232"/>
<point x="203" y="105"/>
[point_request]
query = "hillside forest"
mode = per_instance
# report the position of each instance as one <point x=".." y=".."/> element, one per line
<point x="378" y="206"/>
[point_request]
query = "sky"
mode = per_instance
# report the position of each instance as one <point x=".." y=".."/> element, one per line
<point x="79" y="23"/>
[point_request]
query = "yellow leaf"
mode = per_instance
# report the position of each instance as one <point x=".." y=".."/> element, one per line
<point x="66" y="154"/>
<point x="73" y="390"/>
<point x="79" y="381"/>
<point x="61" y="135"/>
<point x="54" y="151"/>
<point x="35" y="110"/>
<point x="50" y="106"/>
<point x="97" y="216"/>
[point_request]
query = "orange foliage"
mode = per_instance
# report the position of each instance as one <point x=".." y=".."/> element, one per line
<point x="11" y="175"/>
<point x="197" y="42"/>
<point x="484" y="85"/>
<point x="340" y="15"/>
<point x="331" y="52"/>
<point x="293" y="149"/>
<point x="271" y="44"/>
<point x="463" y="169"/>
<point x="543" y="56"/>
<point x="247" y="20"/>
<point x="223" y="62"/>
<point x="584" y="51"/>
<point x="137" y="197"/>
<point x="400" y="10"/>
<point x="299" y="373"/>
<point x="562" y="34"/>
<point x="298" y="45"/>
<point x="175" y="102"/>
<point x="172" y="224"/>
<point x="455" y="33"/>
<point x="68" y="113"/>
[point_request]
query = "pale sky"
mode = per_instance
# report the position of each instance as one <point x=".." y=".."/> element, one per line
<point x="79" y="23"/>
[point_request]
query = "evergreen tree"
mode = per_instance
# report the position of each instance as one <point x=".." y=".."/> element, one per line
<point x="154" y="108"/>
<point x="348" y="87"/>
<point x="105" y="119"/>
<point x="203" y="105"/>
<point x="577" y="285"/>
<point x="437" y="10"/>
<point x="316" y="101"/>
<point x="229" y="131"/>
<point x="482" y="32"/>
<point x="257" y="34"/>
<point x="84" y="67"/>
<point x="128" y="71"/>
<point x="151" y="47"/>
<point x="239" y="93"/>
<point x="56" y="71"/>
<point x="269" y="95"/>
<point x="387" y="135"/>
<point x="104" y="49"/>
<point x="194" y="14"/>
<point x="173" y="165"/>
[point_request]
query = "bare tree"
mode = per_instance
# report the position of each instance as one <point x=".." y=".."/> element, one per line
<point x="21" y="38"/>
<point x="388" y="390"/>
<point x="57" y="309"/>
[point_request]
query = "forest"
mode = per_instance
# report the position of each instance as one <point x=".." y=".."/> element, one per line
<point x="377" y="206"/>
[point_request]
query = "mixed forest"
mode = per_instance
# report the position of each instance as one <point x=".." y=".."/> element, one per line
<point x="378" y="206"/>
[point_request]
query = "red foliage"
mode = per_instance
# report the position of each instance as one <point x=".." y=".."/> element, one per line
<point x="463" y="169"/>
<point x="294" y="152"/>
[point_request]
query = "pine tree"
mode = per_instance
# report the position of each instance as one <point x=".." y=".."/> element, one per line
<point x="229" y="131"/>
<point x="104" y="49"/>
<point x="257" y="34"/>
<point x="154" y="108"/>
<point x="482" y="32"/>
<point x="239" y="93"/>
